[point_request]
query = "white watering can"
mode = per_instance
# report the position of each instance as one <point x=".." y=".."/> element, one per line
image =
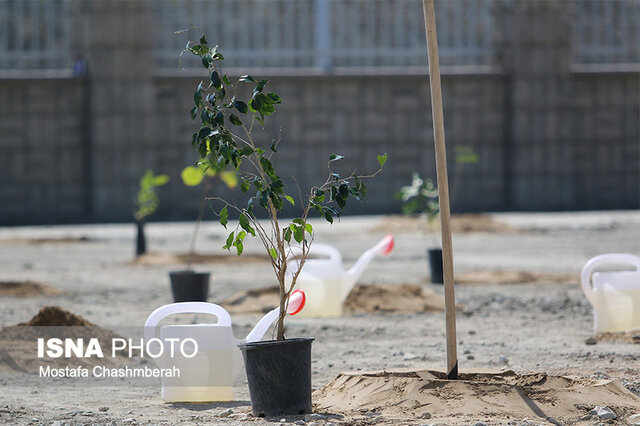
<point x="325" y="282"/>
<point x="615" y="295"/>
<point x="209" y="375"/>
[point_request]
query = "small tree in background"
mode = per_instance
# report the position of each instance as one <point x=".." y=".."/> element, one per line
<point x="201" y="174"/>
<point x="146" y="203"/>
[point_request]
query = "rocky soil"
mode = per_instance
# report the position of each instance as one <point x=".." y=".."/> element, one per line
<point x="525" y="327"/>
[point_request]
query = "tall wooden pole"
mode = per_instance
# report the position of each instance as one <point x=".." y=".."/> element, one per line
<point x="443" y="187"/>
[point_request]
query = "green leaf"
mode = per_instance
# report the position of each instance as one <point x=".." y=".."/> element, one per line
<point x="224" y="215"/>
<point x="328" y="217"/>
<point x="299" y="221"/>
<point x="273" y="253"/>
<point x="239" y="247"/>
<point x="308" y="228"/>
<point x="241" y="107"/>
<point x="260" y="85"/>
<point x="191" y="176"/>
<point x="382" y="159"/>
<point x="235" y="120"/>
<point x="194" y="112"/>
<point x="225" y="80"/>
<point x="274" y="143"/>
<point x="298" y="234"/>
<point x="229" y="242"/>
<point x="289" y="198"/>
<point x="275" y="98"/>
<point x="244" y="185"/>
<point x="246" y="225"/>
<point x="287" y="235"/>
<point x="247" y="78"/>
<point x="203" y="40"/>
<point x="215" y="79"/>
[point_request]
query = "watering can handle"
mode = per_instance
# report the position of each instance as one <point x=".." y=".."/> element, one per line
<point x="321" y="249"/>
<point x="185" y="308"/>
<point x="605" y="259"/>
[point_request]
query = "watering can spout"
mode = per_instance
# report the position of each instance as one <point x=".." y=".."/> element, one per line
<point x="383" y="247"/>
<point x="297" y="301"/>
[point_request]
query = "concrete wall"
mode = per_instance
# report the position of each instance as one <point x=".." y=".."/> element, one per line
<point x="549" y="136"/>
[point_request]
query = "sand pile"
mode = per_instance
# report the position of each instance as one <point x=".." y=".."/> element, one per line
<point x="491" y="397"/>
<point x="631" y="336"/>
<point x="27" y="289"/>
<point x="460" y="224"/>
<point x="18" y="343"/>
<point x="157" y="259"/>
<point x="364" y="298"/>
<point x="515" y="277"/>
<point x="45" y="241"/>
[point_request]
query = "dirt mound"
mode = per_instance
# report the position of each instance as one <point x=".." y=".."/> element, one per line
<point x="18" y="343"/>
<point x="395" y="298"/>
<point x="364" y="298"/>
<point x="515" y="277"/>
<point x="155" y="259"/>
<point x="460" y="224"/>
<point x="45" y="241"/>
<point x="53" y="316"/>
<point x="27" y="289"/>
<point x="631" y="336"/>
<point x="254" y="301"/>
<point x="477" y="396"/>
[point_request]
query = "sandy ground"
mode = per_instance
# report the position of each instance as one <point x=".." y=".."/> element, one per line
<point x="531" y="327"/>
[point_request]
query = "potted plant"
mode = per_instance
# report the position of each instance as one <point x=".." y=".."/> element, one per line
<point x="421" y="197"/>
<point x="278" y="371"/>
<point x="146" y="203"/>
<point x="188" y="285"/>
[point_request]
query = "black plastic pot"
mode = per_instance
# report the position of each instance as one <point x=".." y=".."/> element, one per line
<point x="141" y="241"/>
<point x="279" y="376"/>
<point x="189" y="286"/>
<point x="435" y="265"/>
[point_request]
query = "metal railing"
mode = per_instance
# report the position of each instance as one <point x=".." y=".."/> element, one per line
<point x="607" y="32"/>
<point x="325" y="34"/>
<point x="316" y="34"/>
<point x="35" y="34"/>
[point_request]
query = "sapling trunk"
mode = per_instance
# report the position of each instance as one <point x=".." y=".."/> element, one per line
<point x="196" y="228"/>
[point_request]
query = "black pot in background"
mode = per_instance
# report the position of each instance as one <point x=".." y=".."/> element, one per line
<point x="279" y="376"/>
<point x="189" y="286"/>
<point x="141" y="241"/>
<point x="435" y="265"/>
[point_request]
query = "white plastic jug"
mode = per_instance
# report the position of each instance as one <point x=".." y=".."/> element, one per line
<point x="614" y="295"/>
<point x="324" y="280"/>
<point x="209" y="375"/>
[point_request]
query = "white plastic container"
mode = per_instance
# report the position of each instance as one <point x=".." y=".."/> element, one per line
<point x="614" y="295"/>
<point x="325" y="282"/>
<point x="208" y="376"/>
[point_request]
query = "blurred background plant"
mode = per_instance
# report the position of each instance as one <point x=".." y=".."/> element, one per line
<point x="201" y="174"/>
<point x="146" y="203"/>
<point x="421" y="198"/>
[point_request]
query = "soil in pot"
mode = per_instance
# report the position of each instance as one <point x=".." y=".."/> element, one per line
<point x="435" y="265"/>
<point x="189" y="286"/>
<point x="279" y="376"/>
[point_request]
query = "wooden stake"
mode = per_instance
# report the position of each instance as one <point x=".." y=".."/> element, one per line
<point x="443" y="187"/>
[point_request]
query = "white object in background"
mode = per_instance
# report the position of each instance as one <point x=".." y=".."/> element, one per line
<point x="209" y="375"/>
<point x="614" y="295"/>
<point x="324" y="280"/>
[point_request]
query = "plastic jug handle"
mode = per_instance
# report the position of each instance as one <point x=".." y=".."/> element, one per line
<point x="320" y="249"/>
<point x="602" y="260"/>
<point x="185" y="308"/>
